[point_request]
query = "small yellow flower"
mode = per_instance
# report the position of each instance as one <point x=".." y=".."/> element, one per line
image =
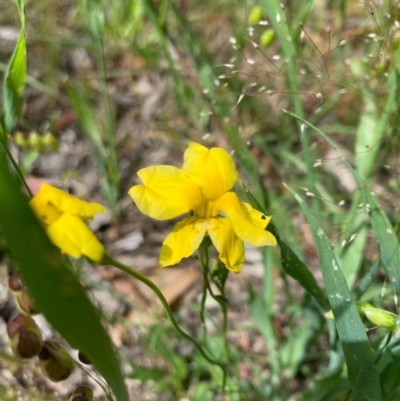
<point x="201" y="186"/>
<point x="62" y="215"/>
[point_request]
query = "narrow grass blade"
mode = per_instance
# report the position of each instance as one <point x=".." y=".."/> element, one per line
<point x="384" y="232"/>
<point x="14" y="81"/>
<point x="358" y="354"/>
<point x="352" y="256"/>
<point x="367" y="138"/>
<point x="56" y="290"/>
<point x="92" y="129"/>
<point x="387" y="240"/>
<point x="374" y="123"/>
<point x="295" y="268"/>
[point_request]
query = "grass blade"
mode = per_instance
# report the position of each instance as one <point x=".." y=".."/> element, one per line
<point x="358" y="354"/>
<point x="14" y="81"/>
<point x="384" y="232"/>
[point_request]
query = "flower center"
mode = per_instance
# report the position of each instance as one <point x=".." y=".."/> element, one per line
<point x="206" y="209"/>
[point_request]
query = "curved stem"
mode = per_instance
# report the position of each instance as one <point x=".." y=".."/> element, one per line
<point x="109" y="260"/>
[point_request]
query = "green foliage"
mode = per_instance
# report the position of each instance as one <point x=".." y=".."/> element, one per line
<point x="55" y="288"/>
<point x="14" y="81"/>
<point x="230" y="75"/>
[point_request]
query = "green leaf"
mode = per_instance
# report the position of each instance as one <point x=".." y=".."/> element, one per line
<point x="56" y="290"/>
<point x="367" y="138"/>
<point x="384" y="232"/>
<point x="295" y="268"/>
<point x="352" y="256"/>
<point x="387" y="241"/>
<point x="14" y="83"/>
<point x="358" y="354"/>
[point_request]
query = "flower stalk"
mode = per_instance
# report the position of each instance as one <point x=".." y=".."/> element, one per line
<point x="107" y="259"/>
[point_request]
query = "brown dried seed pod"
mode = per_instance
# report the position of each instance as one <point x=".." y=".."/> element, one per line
<point x="15" y="283"/>
<point x="82" y="393"/>
<point x="24" y="302"/>
<point x="25" y="337"/>
<point x="55" y="361"/>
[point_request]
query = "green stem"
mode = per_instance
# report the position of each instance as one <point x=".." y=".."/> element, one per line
<point x="16" y="168"/>
<point x="204" y="261"/>
<point x="107" y="259"/>
<point x="203" y="257"/>
<point x="112" y="162"/>
<point x="225" y="329"/>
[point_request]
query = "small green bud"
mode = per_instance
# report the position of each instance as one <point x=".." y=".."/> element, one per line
<point x="50" y="141"/>
<point x="267" y="38"/>
<point x="378" y="317"/>
<point x="35" y="141"/>
<point x="25" y="337"/>
<point x="21" y="140"/>
<point x="255" y="16"/>
<point x="381" y="318"/>
<point x="82" y="393"/>
<point x="55" y="361"/>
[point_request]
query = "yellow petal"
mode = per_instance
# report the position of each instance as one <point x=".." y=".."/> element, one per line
<point x="167" y="192"/>
<point x="246" y="222"/>
<point x="258" y="218"/>
<point x="74" y="238"/>
<point x="212" y="169"/>
<point x="47" y="213"/>
<point x="228" y="244"/>
<point x="65" y="202"/>
<point x="185" y="238"/>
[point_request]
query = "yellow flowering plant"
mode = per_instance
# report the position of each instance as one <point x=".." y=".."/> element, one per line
<point x="63" y="217"/>
<point x="202" y="187"/>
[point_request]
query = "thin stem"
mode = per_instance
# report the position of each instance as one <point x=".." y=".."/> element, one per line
<point x="112" y="163"/>
<point x="16" y="168"/>
<point x="109" y="260"/>
<point x="224" y="308"/>
<point x="203" y="257"/>
<point x="204" y="261"/>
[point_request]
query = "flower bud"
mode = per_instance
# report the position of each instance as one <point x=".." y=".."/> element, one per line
<point x="35" y="141"/>
<point x="267" y="38"/>
<point x="21" y="140"/>
<point x="50" y="141"/>
<point x="378" y="317"/>
<point x="83" y="358"/>
<point x="255" y="16"/>
<point x="55" y="361"/>
<point x="82" y="393"/>
<point x="25" y="337"/>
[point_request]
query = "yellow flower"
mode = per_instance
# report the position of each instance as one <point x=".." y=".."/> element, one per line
<point x="62" y="215"/>
<point x="202" y="187"/>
